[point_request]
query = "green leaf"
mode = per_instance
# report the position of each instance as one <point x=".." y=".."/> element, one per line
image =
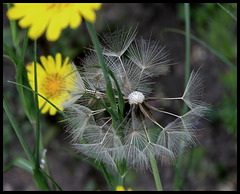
<point x="18" y="131"/>
<point x="27" y="97"/>
<point x="120" y="96"/>
<point x="12" y="56"/>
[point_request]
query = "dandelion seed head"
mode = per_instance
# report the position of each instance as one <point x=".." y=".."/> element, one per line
<point x="138" y="136"/>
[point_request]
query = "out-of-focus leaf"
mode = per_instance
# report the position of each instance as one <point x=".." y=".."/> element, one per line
<point x="228" y="105"/>
<point x="21" y="163"/>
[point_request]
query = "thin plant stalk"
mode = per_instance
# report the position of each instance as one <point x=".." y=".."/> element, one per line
<point x="156" y="173"/>
<point x="39" y="177"/>
<point x="189" y="164"/>
<point x="37" y="134"/>
<point x="187" y="75"/>
<point x="107" y="177"/>
<point x="188" y="45"/>
<point x="227" y="11"/>
<point x="177" y="167"/>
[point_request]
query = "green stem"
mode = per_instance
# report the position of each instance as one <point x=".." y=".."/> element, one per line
<point x="37" y="135"/>
<point x="177" y="167"/>
<point x="18" y="131"/>
<point x="109" y="89"/>
<point x="108" y="177"/>
<point x="39" y="177"/>
<point x="188" y="46"/>
<point x="156" y="173"/>
<point x="189" y="164"/>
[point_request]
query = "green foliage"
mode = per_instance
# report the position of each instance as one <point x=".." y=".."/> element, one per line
<point x="228" y="105"/>
<point x="215" y="26"/>
<point x="212" y="23"/>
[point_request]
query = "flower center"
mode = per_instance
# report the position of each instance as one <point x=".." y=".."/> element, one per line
<point x="52" y="86"/>
<point x="136" y="97"/>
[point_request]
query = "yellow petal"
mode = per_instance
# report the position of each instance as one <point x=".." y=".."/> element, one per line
<point x="52" y="111"/>
<point x="39" y="24"/>
<point x="96" y="6"/>
<point x="58" y="59"/>
<point x="30" y="16"/>
<point x="45" y="108"/>
<point x="54" y="29"/>
<point x="75" y="20"/>
<point x="65" y="62"/>
<point x="36" y="30"/>
<point x="49" y="64"/>
<point x="88" y="13"/>
<point x="18" y="10"/>
<point x="120" y="188"/>
<point x="41" y="101"/>
<point x="43" y="60"/>
<point x="30" y="74"/>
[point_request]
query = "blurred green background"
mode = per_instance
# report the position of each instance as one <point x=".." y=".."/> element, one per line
<point x="214" y="165"/>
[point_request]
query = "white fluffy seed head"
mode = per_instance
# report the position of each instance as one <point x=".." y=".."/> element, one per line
<point x="136" y="97"/>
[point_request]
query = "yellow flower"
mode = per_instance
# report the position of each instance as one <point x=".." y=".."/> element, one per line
<point x="53" y="79"/>
<point x="121" y="188"/>
<point x="52" y="17"/>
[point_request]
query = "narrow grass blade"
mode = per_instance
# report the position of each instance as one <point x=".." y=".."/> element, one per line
<point x="120" y="96"/>
<point x="18" y="131"/>
<point x="227" y="11"/>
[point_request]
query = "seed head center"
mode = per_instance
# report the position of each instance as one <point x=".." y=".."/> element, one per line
<point x="136" y="97"/>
